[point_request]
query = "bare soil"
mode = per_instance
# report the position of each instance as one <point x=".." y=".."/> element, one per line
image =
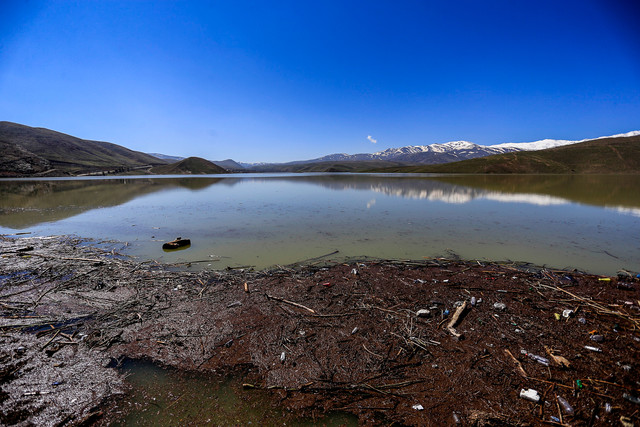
<point x="321" y="335"/>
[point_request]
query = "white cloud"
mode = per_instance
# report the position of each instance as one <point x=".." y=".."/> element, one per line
<point x="370" y="138"/>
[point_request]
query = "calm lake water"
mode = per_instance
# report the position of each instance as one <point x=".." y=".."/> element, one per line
<point x="587" y="222"/>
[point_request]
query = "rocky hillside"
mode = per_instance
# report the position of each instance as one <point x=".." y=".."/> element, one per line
<point x="35" y="151"/>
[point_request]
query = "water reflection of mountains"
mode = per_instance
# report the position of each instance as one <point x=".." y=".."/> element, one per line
<point x="28" y="203"/>
<point x="612" y="191"/>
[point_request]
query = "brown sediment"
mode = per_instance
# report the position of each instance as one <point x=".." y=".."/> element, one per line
<point x="321" y="336"/>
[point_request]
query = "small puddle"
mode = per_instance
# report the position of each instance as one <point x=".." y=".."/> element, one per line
<point x="163" y="397"/>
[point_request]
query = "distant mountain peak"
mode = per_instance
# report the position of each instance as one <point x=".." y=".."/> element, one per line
<point x="544" y="144"/>
<point x="437" y="153"/>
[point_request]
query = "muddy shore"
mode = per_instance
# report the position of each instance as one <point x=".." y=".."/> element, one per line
<point x="429" y="342"/>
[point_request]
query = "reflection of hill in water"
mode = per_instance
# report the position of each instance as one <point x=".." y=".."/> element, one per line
<point x="28" y="203"/>
<point x="619" y="191"/>
<point x="597" y="190"/>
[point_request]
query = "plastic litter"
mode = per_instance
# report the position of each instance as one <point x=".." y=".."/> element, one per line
<point x="591" y="348"/>
<point x="423" y="313"/>
<point x="500" y="306"/>
<point x="535" y="357"/>
<point x="282" y="357"/>
<point x="456" y="418"/>
<point x="566" y="406"/>
<point x="557" y="316"/>
<point x="567" y="313"/>
<point x="624" y="275"/>
<point x="632" y="399"/>
<point x="597" y="338"/>
<point x="582" y="320"/>
<point x="473" y="301"/>
<point x="530" y="395"/>
<point x="418" y="407"/>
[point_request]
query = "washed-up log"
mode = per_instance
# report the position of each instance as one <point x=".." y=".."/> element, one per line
<point x="454" y="321"/>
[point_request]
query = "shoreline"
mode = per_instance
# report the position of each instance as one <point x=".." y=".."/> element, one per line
<point x="350" y="334"/>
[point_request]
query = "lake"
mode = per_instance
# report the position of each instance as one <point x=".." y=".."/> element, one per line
<point x="591" y="223"/>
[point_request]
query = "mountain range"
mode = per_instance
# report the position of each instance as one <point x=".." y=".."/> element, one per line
<point x="431" y="154"/>
<point x="609" y="155"/>
<point x="29" y="151"/>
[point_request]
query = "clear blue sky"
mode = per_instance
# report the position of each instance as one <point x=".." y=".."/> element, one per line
<point x="288" y="80"/>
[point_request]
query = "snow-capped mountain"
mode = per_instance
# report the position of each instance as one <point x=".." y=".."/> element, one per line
<point x="451" y="151"/>
<point x="426" y="154"/>
<point x="551" y="143"/>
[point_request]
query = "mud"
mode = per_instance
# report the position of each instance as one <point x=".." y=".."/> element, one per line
<point x="321" y="336"/>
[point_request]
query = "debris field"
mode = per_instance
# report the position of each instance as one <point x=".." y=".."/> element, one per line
<point x="428" y="342"/>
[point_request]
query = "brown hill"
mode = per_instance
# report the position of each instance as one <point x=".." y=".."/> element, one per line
<point x="189" y="166"/>
<point x="39" y="150"/>
<point x="599" y="156"/>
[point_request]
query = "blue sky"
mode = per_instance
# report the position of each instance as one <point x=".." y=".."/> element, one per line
<point x="289" y="80"/>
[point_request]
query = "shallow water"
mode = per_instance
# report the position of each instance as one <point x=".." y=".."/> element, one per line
<point x="164" y="397"/>
<point x="587" y="222"/>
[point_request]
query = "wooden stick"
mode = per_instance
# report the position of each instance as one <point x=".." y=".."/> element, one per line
<point x="295" y="304"/>
<point x="559" y="411"/>
<point x="52" y="338"/>
<point x="371" y="352"/>
<point x="517" y="362"/>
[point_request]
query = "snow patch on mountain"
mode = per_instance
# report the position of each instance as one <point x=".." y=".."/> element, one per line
<point x="543" y="144"/>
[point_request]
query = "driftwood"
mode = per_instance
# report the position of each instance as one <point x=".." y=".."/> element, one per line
<point x="454" y="321"/>
<point x="517" y="363"/>
<point x="295" y="304"/>
<point x="559" y="360"/>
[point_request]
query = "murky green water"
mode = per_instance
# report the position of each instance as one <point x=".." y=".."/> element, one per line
<point x="587" y="222"/>
<point x="161" y="397"/>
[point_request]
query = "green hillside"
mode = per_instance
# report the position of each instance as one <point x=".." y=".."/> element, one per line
<point x="598" y="156"/>
<point x="41" y="150"/>
<point x="189" y="166"/>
